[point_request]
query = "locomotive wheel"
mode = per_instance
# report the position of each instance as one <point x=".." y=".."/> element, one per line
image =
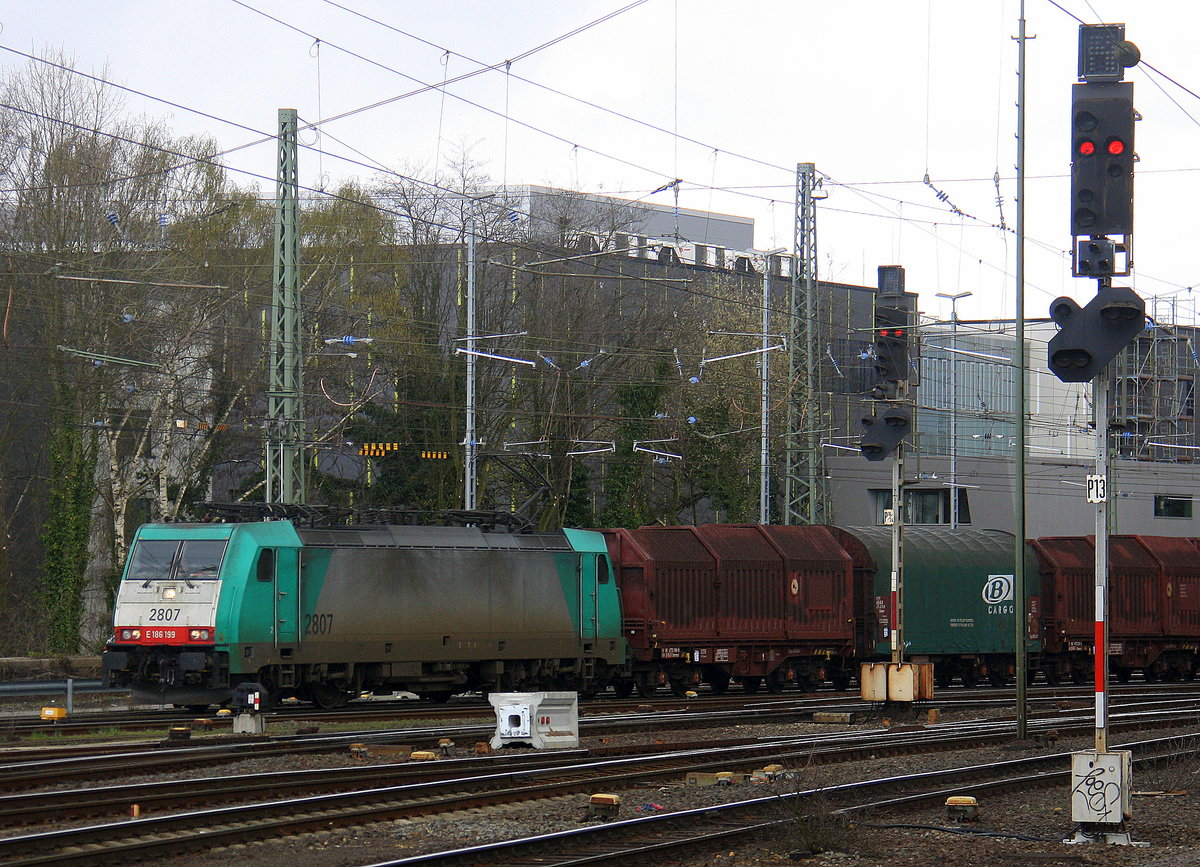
<point x="970" y="679"/>
<point x="438" y="696"/>
<point x="623" y="688"/>
<point x="192" y="708"/>
<point x="750" y="685"/>
<point x="1123" y="674"/>
<point x="327" y="696"/>
<point x="941" y="678"/>
<point x="997" y="678"/>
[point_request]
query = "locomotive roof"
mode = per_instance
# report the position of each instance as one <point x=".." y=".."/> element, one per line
<point x="397" y="536"/>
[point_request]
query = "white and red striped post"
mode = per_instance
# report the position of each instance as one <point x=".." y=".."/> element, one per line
<point x="1100" y="402"/>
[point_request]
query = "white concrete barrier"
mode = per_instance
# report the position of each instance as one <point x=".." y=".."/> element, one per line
<point x="544" y="720"/>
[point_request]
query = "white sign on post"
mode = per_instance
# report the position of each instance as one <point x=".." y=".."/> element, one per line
<point x="1097" y="489"/>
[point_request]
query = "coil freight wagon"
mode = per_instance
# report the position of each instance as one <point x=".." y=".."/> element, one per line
<point x="959" y="604"/>
<point x="1153" y="606"/>
<point x="749" y="603"/>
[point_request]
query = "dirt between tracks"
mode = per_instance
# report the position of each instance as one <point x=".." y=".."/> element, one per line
<point x="1018" y="829"/>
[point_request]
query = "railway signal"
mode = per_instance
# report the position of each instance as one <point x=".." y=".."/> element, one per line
<point x="1090" y="337"/>
<point x="883" y="431"/>
<point x="1102" y="157"/>
<point x="891" y="341"/>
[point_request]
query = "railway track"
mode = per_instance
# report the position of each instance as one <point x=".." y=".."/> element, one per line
<point x="90" y="723"/>
<point x="637" y="840"/>
<point x="23" y="769"/>
<point x="388" y="792"/>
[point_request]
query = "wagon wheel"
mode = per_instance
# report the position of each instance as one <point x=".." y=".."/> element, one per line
<point x="750" y="684"/>
<point x="623" y="688"/>
<point x="718" y="682"/>
<point x="841" y="680"/>
<point x="437" y="696"/>
<point x="645" y="689"/>
<point x="775" y="685"/>
<point x="678" y="687"/>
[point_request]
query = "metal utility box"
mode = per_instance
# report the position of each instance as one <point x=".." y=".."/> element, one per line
<point x="1101" y="785"/>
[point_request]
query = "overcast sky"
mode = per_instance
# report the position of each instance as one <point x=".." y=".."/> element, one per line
<point x="726" y="96"/>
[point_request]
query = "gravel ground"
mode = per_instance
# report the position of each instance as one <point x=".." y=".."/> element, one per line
<point x="1013" y="830"/>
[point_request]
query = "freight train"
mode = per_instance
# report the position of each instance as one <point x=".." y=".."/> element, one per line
<point x="324" y="612"/>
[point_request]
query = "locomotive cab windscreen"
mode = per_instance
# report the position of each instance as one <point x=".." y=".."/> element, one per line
<point x="175" y="560"/>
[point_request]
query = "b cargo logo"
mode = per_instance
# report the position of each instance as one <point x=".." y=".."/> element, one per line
<point x="997" y="591"/>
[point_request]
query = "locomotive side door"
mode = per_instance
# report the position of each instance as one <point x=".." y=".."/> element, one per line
<point x="586" y="571"/>
<point x="287" y="596"/>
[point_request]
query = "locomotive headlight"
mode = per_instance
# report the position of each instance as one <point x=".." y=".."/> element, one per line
<point x="169" y="593"/>
<point x="126" y="634"/>
<point x="199" y="635"/>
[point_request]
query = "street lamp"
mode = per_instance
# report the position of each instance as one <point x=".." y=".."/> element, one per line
<point x="954" y="299"/>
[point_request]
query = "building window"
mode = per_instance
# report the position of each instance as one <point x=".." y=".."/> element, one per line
<point x="922" y="507"/>
<point x="1166" y="506"/>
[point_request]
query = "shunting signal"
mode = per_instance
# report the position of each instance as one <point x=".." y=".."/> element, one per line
<point x="378" y="450"/>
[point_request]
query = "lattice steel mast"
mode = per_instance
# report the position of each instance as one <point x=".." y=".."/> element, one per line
<point x="806" y="495"/>
<point x="285" y="469"/>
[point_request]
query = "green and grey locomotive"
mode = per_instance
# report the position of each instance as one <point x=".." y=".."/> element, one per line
<point x="324" y="613"/>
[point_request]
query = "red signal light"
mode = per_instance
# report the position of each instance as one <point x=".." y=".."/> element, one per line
<point x="891" y="332"/>
<point x="1087" y="148"/>
<point x="1116" y="147"/>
